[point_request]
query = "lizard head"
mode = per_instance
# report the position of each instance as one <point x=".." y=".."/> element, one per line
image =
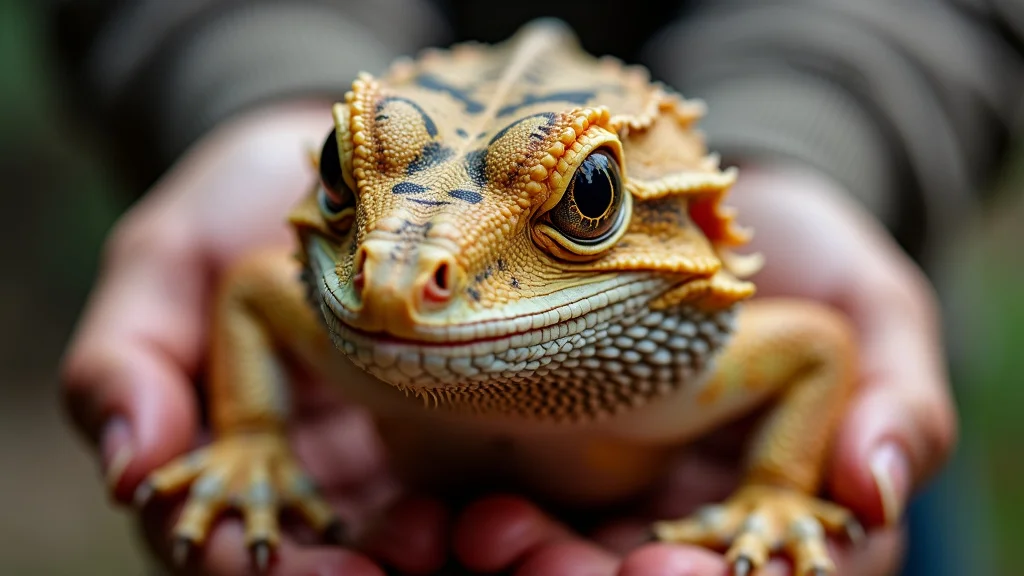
<point x="497" y="228"/>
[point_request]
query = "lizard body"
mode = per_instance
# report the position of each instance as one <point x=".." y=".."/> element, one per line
<point x="518" y="259"/>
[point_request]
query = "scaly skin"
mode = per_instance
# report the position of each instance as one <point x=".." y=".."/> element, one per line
<point x="521" y="255"/>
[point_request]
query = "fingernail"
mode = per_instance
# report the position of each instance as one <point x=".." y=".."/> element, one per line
<point x="891" y="469"/>
<point x="117" y="452"/>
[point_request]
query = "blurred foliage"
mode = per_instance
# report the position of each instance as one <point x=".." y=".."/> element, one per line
<point x="58" y="202"/>
<point x="987" y="281"/>
<point x="60" y="199"/>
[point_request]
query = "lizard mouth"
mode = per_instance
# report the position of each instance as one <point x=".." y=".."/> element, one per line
<point x="613" y="356"/>
<point x="603" y="352"/>
<point x="578" y="370"/>
<point x="388" y="339"/>
<point x="532" y="325"/>
<point x="536" y="331"/>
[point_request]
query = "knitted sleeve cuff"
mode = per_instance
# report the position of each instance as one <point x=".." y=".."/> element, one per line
<point x="239" y="56"/>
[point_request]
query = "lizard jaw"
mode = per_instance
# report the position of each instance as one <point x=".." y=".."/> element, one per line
<point x="603" y="353"/>
<point x="635" y="355"/>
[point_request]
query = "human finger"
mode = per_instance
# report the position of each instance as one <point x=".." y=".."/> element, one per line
<point x="672" y="560"/>
<point x="127" y="375"/>
<point x="504" y="531"/>
<point x="572" y="557"/>
<point x="901" y="425"/>
<point x="412" y="536"/>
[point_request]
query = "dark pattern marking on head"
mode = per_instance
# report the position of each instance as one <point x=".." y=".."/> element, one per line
<point x="432" y="154"/>
<point x="414" y="228"/>
<point x="430" y="82"/>
<point x="408" y="188"/>
<point x="578" y="97"/>
<point x="428" y="122"/>
<point x="476" y="166"/>
<point x="429" y="202"/>
<point x="471" y="196"/>
<point x="549" y="116"/>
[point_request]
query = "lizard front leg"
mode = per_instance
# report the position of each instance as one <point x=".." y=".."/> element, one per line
<point x="260" y="315"/>
<point x="806" y="353"/>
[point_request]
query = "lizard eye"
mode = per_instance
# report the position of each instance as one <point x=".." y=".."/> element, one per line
<point x="337" y="200"/>
<point x="592" y="211"/>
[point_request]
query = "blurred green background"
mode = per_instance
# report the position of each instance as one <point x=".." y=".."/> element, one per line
<point x="59" y="200"/>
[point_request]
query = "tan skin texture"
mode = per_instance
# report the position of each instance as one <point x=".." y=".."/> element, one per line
<point x="149" y="386"/>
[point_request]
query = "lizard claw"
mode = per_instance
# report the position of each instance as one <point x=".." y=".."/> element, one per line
<point x="254" y="473"/>
<point x="742" y="566"/>
<point x="759" y="520"/>
<point x="261" y="556"/>
<point x="143" y="494"/>
<point x="180" y="551"/>
<point x="854" y="532"/>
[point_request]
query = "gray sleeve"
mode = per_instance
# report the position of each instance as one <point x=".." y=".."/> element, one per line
<point x="160" y="74"/>
<point x="909" y="105"/>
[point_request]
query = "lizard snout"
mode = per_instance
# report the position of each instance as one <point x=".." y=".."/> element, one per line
<point x="398" y="290"/>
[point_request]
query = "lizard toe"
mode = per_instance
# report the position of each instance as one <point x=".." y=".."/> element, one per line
<point x="253" y="473"/>
<point x="759" y="521"/>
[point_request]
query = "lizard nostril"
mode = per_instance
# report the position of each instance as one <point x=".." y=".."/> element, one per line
<point x="359" y="273"/>
<point x="438" y="288"/>
<point x="441" y="276"/>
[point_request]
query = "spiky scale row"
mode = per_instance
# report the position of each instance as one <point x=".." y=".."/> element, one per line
<point x="358" y="101"/>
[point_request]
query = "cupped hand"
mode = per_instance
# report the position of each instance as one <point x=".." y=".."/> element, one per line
<point x="897" y="432"/>
<point x="130" y="370"/>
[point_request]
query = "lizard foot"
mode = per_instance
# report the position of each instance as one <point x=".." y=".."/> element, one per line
<point x="254" y="473"/>
<point x="760" y="520"/>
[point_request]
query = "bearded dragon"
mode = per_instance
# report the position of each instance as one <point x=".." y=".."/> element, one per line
<point x="518" y="257"/>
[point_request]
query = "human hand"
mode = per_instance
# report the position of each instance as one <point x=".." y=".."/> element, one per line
<point x="129" y="371"/>
<point x="897" y="432"/>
